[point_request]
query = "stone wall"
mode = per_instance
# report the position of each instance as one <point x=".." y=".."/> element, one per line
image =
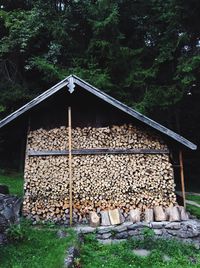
<point x="9" y="213"/>
<point x="187" y="231"/>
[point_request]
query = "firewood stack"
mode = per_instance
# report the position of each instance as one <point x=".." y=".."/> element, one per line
<point x="100" y="182"/>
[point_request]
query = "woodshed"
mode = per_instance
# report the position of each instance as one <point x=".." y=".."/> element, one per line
<point x="86" y="151"/>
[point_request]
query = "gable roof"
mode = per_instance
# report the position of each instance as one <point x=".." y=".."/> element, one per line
<point x="73" y="80"/>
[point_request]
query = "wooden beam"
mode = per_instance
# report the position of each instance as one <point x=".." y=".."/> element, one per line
<point x="70" y="164"/>
<point x="97" y="151"/>
<point x="121" y="106"/>
<point x="182" y="177"/>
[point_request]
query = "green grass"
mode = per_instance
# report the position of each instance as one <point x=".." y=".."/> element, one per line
<point x="194" y="198"/>
<point x="14" y="182"/>
<point x="193" y="210"/>
<point x="96" y="255"/>
<point x="40" y="249"/>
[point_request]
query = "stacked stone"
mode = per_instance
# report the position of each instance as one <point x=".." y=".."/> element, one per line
<point x="9" y="213"/>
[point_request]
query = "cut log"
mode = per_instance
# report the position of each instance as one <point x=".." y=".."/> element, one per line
<point x="174" y="214"/>
<point x="94" y="219"/>
<point x="114" y="216"/>
<point x="105" y="220"/>
<point x="159" y="214"/>
<point x="183" y="214"/>
<point x="148" y="215"/>
<point x="135" y="215"/>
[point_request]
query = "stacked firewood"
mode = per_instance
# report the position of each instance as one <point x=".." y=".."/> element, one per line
<point x="125" y="137"/>
<point x="100" y="182"/>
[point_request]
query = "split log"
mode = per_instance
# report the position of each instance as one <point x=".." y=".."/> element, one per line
<point x="105" y="220"/>
<point x="148" y="215"/>
<point x="114" y="216"/>
<point x="159" y="214"/>
<point x="135" y="215"/>
<point x="183" y="214"/>
<point x="174" y="214"/>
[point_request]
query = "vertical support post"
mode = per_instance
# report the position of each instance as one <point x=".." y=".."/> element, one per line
<point x="70" y="164"/>
<point x="182" y="177"/>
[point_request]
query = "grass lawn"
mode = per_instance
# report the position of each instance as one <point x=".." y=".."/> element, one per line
<point x="195" y="198"/>
<point x="193" y="210"/>
<point x="14" y="182"/>
<point x="95" y="255"/>
<point x="40" y="248"/>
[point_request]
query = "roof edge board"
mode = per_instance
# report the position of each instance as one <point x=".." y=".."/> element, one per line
<point x="35" y="101"/>
<point x="134" y="113"/>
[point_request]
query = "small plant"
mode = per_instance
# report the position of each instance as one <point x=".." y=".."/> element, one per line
<point x="50" y="224"/>
<point x="77" y="263"/>
<point x="148" y="233"/>
<point x="113" y="233"/>
<point x="16" y="233"/>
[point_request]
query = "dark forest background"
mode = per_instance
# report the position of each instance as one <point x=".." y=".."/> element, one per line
<point x="144" y="53"/>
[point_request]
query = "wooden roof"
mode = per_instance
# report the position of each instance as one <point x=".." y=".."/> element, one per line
<point x="71" y="81"/>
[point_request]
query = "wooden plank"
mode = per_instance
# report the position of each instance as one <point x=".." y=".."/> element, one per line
<point x="97" y="151"/>
<point x="182" y="178"/>
<point x="70" y="164"/>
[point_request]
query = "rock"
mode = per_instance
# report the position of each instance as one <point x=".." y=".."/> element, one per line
<point x="158" y="225"/>
<point x="122" y="235"/>
<point x="114" y="216"/>
<point x="120" y="228"/>
<point x="4" y="189"/>
<point x="183" y="214"/>
<point x="61" y="234"/>
<point x="94" y="219"/>
<point x="85" y="229"/>
<point x="196" y="245"/>
<point x="142" y="252"/>
<point x="173" y="225"/>
<point x="159" y="214"/>
<point x="166" y="258"/>
<point x="172" y="232"/>
<point x="158" y="232"/>
<point x="138" y="225"/>
<point x="111" y="241"/>
<point x="133" y="232"/>
<point x="106" y="235"/>
<point x="72" y="253"/>
<point x="148" y="215"/>
<point x="3" y="239"/>
<point x="3" y="223"/>
<point x="134" y="215"/>
<point x="105" y="241"/>
<point x="105" y="220"/>
<point x="103" y="230"/>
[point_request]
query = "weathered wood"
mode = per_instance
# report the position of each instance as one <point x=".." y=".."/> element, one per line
<point x="182" y="177"/>
<point x="97" y="151"/>
<point x="133" y="113"/>
<point x="71" y="81"/>
<point x="70" y="164"/>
